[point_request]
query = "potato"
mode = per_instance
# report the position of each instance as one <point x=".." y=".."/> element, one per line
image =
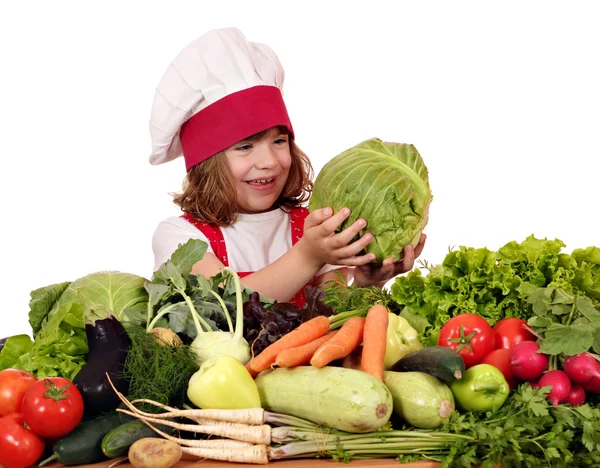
<point x="152" y="452"/>
<point x="167" y="336"/>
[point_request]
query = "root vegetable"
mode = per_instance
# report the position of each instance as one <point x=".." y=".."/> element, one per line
<point x="560" y="383"/>
<point x="342" y="344"/>
<point x="576" y="395"/>
<point x="152" y="452"/>
<point x="581" y="368"/>
<point x="525" y="362"/>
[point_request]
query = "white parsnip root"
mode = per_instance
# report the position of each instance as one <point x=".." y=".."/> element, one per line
<point x="257" y="454"/>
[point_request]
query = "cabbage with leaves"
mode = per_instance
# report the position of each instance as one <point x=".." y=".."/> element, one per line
<point x="385" y="183"/>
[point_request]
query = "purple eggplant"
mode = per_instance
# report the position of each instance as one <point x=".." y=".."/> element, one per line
<point x="108" y="344"/>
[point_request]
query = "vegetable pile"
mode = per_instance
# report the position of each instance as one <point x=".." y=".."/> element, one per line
<point x="490" y="359"/>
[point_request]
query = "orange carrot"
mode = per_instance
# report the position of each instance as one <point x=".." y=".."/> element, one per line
<point x="305" y="333"/>
<point x="374" y="340"/>
<point x="301" y="355"/>
<point x="342" y="344"/>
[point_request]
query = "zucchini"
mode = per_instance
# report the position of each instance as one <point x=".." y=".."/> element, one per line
<point x="442" y="363"/>
<point x="84" y="443"/>
<point x="344" y="399"/>
<point x="117" y="442"/>
<point x="420" y="399"/>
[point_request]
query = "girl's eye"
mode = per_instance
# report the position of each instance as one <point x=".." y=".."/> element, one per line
<point x="243" y="147"/>
<point x="281" y="141"/>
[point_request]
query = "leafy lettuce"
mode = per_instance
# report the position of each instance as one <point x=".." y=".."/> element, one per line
<point x="501" y="284"/>
<point x="59" y="345"/>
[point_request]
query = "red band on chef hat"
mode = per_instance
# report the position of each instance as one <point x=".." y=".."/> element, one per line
<point x="233" y="118"/>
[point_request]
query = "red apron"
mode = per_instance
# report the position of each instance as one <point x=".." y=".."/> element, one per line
<point x="217" y="242"/>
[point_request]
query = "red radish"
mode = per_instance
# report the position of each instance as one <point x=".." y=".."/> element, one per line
<point x="576" y="395"/>
<point x="525" y="362"/>
<point x="560" y="383"/>
<point x="535" y="384"/>
<point x="581" y="368"/>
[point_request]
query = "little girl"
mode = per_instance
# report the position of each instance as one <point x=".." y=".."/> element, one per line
<point x="219" y="105"/>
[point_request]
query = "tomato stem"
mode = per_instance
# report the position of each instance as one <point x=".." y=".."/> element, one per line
<point x="463" y="340"/>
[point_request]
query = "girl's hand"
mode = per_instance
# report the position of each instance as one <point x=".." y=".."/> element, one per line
<point x="321" y="245"/>
<point x="378" y="275"/>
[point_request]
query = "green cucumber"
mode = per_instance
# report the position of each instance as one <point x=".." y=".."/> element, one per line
<point x="442" y="363"/>
<point x="420" y="399"/>
<point x="117" y="442"/>
<point x="84" y="443"/>
<point x="344" y="399"/>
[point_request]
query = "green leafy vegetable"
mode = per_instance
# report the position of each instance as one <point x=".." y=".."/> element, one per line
<point x="385" y="183"/>
<point x="532" y="280"/>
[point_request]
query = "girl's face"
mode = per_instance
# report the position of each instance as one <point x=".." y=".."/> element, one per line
<point x="259" y="169"/>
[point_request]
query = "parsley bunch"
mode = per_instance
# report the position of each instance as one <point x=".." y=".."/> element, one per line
<point x="526" y="432"/>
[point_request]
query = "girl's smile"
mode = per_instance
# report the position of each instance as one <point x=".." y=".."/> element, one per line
<point x="259" y="170"/>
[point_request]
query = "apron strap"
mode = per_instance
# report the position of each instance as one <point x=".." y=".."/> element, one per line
<point x="217" y="242"/>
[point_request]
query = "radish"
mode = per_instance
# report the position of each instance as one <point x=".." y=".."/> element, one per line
<point x="525" y="362"/>
<point x="576" y="395"/>
<point x="560" y="383"/>
<point x="581" y="368"/>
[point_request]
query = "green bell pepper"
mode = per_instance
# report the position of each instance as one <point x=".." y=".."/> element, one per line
<point x="223" y="382"/>
<point x="401" y="340"/>
<point x="482" y="388"/>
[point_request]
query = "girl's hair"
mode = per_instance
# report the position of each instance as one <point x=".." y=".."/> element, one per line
<point x="210" y="196"/>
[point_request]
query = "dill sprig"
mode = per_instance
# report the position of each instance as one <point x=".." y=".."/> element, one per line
<point x="156" y="370"/>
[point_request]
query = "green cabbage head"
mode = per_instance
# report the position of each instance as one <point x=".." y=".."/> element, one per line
<point x="385" y="183"/>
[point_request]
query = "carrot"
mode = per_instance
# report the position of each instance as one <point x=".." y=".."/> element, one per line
<point x="305" y="333"/>
<point x="342" y="344"/>
<point x="374" y="340"/>
<point x="301" y="355"/>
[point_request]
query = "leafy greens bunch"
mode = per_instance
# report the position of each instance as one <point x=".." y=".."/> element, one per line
<point x="534" y="280"/>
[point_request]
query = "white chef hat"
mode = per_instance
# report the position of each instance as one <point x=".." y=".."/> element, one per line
<point x="219" y="90"/>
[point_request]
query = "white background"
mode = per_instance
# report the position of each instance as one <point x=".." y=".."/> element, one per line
<point x="501" y="98"/>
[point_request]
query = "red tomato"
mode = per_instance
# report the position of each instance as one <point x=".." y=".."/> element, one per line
<point x="470" y="335"/>
<point x="510" y="332"/>
<point x="53" y="407"/>
<point x="14" y="384"/>
<point x="500" y="359"/>
<point x="19" y="447"/>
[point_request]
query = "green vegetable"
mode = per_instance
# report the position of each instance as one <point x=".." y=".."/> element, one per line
<point x="385" y="183"/>
<point x="529" y="280"/>
<point x="401" y="340"/>
<point x="84" y="443"/>
<point x="442" y="363"/>
<point x="56" y="315"/>
<point x="482" y="388"/>
<point x="173" y="279"/>
<point x="223" y="382"/>
<point x="116" y="443"/>
<point x="156" y="370"/>
<point x="344" y="399"/>
<point x="419" y="399"/>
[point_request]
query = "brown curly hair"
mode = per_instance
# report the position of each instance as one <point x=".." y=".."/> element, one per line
<point x="210" y="196"/>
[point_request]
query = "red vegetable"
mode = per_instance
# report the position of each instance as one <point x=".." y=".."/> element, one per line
<point x="525" y="362"/>
<point x="500" y="359"/>
<point x="510" y="332"/>
<point x="576" y="395"/>
<point x="14" y="384"/>
<point x="470" y="335"/>
<point x="560" y="383"/>
<point x="19" y="447"/>
<point x="581" y="368"/>
<point x="53" y="407"/>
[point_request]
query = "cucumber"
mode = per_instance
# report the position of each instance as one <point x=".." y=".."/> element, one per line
<point x="117" y="442"/>
<point x="442" y="363"/>
<point x="344" y="399"/>
<point x="84" y="443"/>
<point x="420" y="399"/>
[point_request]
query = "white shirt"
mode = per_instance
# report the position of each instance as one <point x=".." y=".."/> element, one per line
<point x="253" y="241"/>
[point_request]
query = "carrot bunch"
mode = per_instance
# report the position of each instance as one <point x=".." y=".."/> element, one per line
<point x="312" y="343"/>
